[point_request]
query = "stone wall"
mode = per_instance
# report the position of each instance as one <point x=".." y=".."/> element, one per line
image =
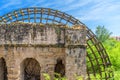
<point x="19" y="33"/>
<point x="75" y="53"/>
<point x="45" y="44"/>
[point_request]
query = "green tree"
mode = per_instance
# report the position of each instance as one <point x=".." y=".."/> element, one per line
<point x="112" y="47"/>
<point x="102" y="33"/>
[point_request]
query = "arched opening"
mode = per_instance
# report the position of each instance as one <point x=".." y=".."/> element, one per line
<point x="60" y="68"/>
<point x="31" y="69"/>
<point x="3" y="69"/>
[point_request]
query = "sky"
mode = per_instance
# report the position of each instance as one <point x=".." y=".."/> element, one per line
<point x="91" y="12"/>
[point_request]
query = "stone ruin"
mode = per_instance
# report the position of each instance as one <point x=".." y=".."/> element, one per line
<point x="28" y="50"/>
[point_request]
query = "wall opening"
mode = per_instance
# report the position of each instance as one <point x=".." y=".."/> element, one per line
<point x="31" y="69"/>
<point x="3" y="69"/>
<point x="60" y="68"/>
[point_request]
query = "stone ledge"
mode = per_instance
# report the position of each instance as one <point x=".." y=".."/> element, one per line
<point x="31" y="45"/>
<point x="43" y="45"/>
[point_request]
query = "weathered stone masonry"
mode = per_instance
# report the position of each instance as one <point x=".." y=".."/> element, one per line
<point x="27" y="50"/>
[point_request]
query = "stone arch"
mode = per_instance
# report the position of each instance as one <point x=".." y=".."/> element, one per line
<point x="30" y="69"/>
<point x="59" y="67"/>
<point x="3" y="69"/>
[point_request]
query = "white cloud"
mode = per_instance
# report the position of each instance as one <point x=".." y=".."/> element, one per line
<point x="102" y="10"/>
<point x="75" y="5"/>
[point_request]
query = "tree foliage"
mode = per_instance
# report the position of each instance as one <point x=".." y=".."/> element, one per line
<point x="113" y="49"/>
<point x="102" y="33"/>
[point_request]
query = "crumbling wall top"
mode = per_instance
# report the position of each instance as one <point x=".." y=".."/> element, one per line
<point x="41" y="34"/>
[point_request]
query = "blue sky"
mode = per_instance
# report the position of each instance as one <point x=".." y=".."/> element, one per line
<point x="90" y="12"/>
